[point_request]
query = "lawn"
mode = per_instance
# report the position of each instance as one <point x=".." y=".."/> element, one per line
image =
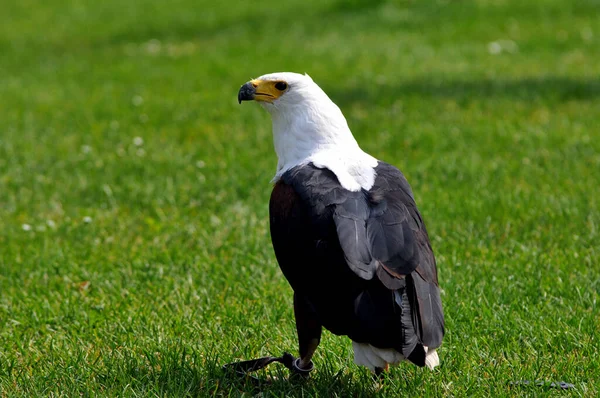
<point x="135" y="256"/>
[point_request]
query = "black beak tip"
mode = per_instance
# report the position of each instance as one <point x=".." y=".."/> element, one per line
<point x="246" y="93"/>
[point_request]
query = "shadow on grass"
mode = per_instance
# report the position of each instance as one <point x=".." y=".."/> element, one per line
<point x="179" y="372"/>
<point x="549" y="88"/>
<point x="276" y="382"/>
<point x="279" y="383"/>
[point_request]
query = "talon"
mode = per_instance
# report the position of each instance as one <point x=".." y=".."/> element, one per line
<point x="380" y="372"/>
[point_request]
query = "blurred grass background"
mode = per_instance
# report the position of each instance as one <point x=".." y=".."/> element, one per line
<point x="134" y="251"/>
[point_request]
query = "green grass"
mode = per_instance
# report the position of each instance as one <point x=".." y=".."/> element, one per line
<point x="138" y="266"/>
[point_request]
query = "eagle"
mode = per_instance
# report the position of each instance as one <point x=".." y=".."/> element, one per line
<point x="346" y="233"/>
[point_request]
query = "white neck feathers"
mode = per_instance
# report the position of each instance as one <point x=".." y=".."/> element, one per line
<point x="309" y="127"/>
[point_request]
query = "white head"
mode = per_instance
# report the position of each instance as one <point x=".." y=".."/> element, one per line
<point x="309" y="127"/>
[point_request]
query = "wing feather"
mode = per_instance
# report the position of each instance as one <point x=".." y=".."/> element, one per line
<point x="381" y="234"/>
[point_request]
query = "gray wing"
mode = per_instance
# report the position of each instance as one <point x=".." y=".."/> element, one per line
<point x="382" y="234"/>
<point x="403" y="235"/>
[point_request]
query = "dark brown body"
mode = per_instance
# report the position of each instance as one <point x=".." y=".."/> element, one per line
<point x="311" y="259"/>
<point x="360" y="263"/>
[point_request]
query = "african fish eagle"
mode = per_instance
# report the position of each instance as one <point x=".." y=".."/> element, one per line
<point x="346" y="233"/>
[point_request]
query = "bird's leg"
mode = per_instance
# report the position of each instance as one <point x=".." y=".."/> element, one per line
<point x="309" y="331"/>
<point x="379" y="376"/>
<point x="380" y="373"/>
<point x="307" y="352"/>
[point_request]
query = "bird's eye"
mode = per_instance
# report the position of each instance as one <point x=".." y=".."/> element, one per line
<point x="281" y="86"/>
